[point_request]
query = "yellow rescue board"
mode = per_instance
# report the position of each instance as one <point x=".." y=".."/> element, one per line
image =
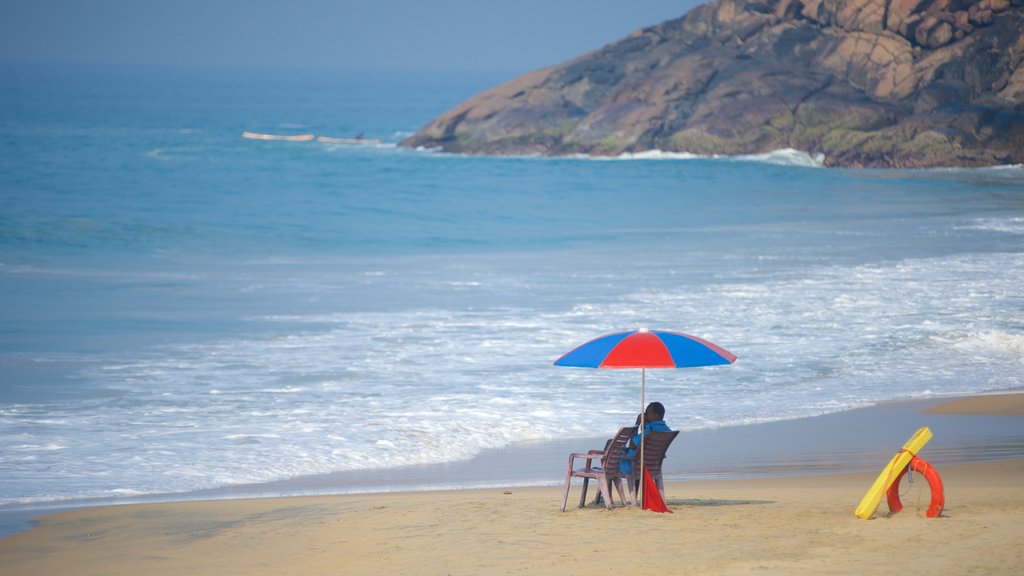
<point x="870" y="502"/>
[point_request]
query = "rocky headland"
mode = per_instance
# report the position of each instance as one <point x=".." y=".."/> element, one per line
<point x="862" y="83"/>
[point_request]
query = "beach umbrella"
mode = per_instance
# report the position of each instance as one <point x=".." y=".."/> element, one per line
<point x="646" y="349"/>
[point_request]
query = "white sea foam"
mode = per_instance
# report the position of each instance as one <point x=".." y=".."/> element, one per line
<point x="990" y="343"/>
<point x="782" y="157"/>
<point x="657" y="155"/>
<point x="1008" y="225"/>
<point x="787" y="157"/>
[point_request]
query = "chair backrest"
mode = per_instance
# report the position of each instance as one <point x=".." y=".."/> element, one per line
<point x="655" y="447"/>
<point x="616" y="448"/>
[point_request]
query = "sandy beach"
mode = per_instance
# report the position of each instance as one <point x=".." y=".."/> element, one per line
<point x="784" y="525"/>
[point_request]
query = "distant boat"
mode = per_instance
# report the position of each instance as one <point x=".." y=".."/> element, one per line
<point x="294" y="138"/>
<point x="357" y="140"/>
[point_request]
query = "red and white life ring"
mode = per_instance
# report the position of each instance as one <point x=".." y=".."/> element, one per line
<point x="930" y="474"/>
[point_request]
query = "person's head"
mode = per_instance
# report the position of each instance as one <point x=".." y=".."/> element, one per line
<point x="655" y="411"/>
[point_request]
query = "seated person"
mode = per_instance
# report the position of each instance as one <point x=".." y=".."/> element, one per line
<point x="654" y="421"/>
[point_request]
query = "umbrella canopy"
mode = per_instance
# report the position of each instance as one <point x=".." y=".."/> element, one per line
<point x="646" y="349"/>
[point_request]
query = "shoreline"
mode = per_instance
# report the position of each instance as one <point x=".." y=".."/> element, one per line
<point x="968" y="429"/>
<point x="797" y="520"/>
<point x="783" y="448"/>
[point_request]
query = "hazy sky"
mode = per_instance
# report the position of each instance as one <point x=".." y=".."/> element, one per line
<point x="513" y="35"/>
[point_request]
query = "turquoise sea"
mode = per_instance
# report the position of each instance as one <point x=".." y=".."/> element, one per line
<point x="184" y="309"/>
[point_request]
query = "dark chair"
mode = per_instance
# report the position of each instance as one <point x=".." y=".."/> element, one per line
<point x="605" y="472"/>
<point x="655" y="448"/>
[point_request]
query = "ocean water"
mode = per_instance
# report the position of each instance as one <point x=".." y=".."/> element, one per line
<point x="184" y="309"/>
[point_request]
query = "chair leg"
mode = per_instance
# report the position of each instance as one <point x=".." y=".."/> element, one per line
<point x="583" y="494"/>
<point x="618" y="487"/>
<point x="632" y="485"/>
<point x="568" y="481"/>
<point x="604" y="486"/>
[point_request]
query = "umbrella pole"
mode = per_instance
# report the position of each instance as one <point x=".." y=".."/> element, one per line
<point x="643" y="425"/>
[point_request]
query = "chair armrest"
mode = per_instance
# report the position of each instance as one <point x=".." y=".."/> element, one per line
<point x="593" y="454"/>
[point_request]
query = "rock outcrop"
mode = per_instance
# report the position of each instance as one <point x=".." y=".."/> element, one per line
<point x="879" y="83"/>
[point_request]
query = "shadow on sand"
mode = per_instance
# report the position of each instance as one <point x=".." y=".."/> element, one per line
<point x="712" y="502"/>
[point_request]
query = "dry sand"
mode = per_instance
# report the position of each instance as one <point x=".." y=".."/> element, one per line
<point x="995" y="405"/>
<point x="801" y="525"/>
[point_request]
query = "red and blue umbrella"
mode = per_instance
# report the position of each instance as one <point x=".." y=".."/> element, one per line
<point x="646" y="349"/>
